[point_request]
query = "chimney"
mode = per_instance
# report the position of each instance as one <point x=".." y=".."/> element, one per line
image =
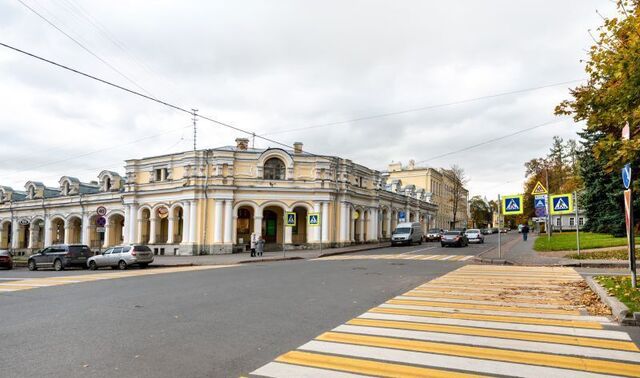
<point x="297" y="147"/>
<point x="242" y="144"/>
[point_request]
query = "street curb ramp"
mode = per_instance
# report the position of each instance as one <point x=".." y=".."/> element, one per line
<point x="619" y="310"/>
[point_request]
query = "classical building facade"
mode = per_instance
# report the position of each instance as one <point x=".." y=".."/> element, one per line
<point x="210" y="201"/>
<point x="439" y="185"/>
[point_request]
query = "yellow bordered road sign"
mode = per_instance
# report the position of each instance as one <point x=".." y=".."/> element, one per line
<point x="539" y="189"/>
<point x="561" y="203"/>
<point x="313" y="219"/>
<point x="512" y="204"/>
<point x="291" y="219"/>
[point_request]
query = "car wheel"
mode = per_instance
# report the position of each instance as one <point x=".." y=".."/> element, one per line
<point x="122" y="265"/>
<point x="442" y="245"/>
<point x="144" y="266"/>
<point x="10" y="266"/>
<point x="32" y="265"/>
<point x="57" y="265"/>
<point x="93" y="265"/>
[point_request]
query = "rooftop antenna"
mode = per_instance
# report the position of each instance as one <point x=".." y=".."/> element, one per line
<point x="195" y="127"/>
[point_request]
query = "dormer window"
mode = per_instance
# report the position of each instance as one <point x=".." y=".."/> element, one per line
<point x="274" y="169"/>
<point x="65" y="189"/>
<point x="160" y="174"/>
<point x="31" y="193"/>
<point x="107" y="184"/>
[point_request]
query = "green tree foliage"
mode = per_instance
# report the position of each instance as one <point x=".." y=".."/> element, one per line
<point x="611" y="97"/>
<point x="480" y="211"/>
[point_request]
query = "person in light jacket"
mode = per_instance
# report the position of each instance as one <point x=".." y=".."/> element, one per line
<point x="260" y="246"/>
<point x="254" y="239"/>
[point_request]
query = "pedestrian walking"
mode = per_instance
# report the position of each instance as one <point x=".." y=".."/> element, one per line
<point x="254" y="239"/>
<point x="525" y="232"/>
<point x="260" y="246"/>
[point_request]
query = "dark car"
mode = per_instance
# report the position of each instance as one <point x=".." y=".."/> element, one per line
<point x="60" y="257"/>
<point x="6" y="261"/>
<point x="456" y="238"/>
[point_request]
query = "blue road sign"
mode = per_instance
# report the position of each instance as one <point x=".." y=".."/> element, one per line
<point x="626" y="176"/>
<point x="402" y="216"/>
<point x="561" y="204"/>
<point x="314" y="219"/>
<point x="541" y="211"/>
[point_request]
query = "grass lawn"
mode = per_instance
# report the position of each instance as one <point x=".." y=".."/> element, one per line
<point x="618" y="254"/>
<point x="620" y="287"/>
<point x="566" y="241"/>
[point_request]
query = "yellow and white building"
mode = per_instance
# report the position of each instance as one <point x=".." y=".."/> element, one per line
<point x="210" y="201"/>
<point x="439" y="185"/>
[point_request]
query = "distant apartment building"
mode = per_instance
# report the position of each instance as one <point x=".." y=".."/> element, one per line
<point x="439" y="184"/>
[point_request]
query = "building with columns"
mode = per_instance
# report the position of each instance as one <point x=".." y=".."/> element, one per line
<point x="211" y="201"/>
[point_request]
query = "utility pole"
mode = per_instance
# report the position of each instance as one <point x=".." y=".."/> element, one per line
<point x="577" y="222"/>
<point x="194" y="112"/>
<point x="546" y="174"/>
<point x="499" y="216"/>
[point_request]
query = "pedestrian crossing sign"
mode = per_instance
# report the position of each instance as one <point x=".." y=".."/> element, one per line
<point x="539" y="189"/>
<point x="561" y="204"/>
<point x="291" y="220"/>
<point x="512" y="204"/>
<point x="313" y="219"/>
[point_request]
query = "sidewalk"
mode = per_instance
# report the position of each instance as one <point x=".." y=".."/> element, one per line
<point x="245" y="257"/>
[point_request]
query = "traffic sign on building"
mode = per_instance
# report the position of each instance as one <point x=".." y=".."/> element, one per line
<point x="402" y="216"/>
<point x="561" y="204"/>
<point x="313" y="219"/>
<point x="512" y="204"/>
<point x="101" y="210"/>
<point x="539" y="189"/>
<point x="291" y="219"/>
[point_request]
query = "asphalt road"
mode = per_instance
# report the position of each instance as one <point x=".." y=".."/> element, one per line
<point x="216" y="323"/>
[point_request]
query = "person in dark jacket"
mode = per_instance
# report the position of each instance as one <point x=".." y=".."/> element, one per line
<point x="525" y="232"/>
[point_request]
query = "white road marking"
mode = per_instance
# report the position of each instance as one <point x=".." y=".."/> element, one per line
<point x="277" y="369"/>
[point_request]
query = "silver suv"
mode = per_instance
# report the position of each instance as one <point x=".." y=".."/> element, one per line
<point x="121" y="257"/>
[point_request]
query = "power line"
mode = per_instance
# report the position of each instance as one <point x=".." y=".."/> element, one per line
<point x="491" y="140"/>
<point x="423" y="108"/>
<point x="131" y="91"/>
<point x="83" y="46"/>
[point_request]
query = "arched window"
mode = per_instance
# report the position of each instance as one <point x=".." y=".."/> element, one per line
<point x="274" y="169"/>
<point x="107" y="184"/>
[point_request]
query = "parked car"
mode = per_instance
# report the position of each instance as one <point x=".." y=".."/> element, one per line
<point x="122" y="257"/>
<point x="433" y="235"/>
<point x="60" y="257"/>
<point x="407" y="233"/>
<point x="455" y="238"/>
<point x="485" y="231"/>
<point x="474" y="236"/>
<point x="6" y="260"/>
<point x="504" y="230"/>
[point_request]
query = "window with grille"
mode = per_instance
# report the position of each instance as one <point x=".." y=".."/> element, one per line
<point x="274" y="169"/>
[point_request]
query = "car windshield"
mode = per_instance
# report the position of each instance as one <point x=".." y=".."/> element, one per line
<point x="142" y="248"/>
<point x="473" y="231"/>
<point x="434" y="230"/>
<point x="452" y="233"/>
<point x="403" y="230"/>
<point x="79" y="248"/>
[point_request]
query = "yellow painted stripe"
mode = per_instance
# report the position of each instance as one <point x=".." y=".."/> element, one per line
<point x="486" y="290"/>
<point x="504" y="334"/>
<point x="483" y="307"/>
<point x="492" y="318"/>
<point x="505" y="298"/>
<point x="531" y="358"/>
<point x="367" y="367"/>
<point x="497" y="284"/>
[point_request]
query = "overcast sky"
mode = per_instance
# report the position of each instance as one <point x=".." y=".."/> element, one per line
<point x="269" y="66"/>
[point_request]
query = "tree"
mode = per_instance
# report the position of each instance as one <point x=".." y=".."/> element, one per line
<point x="480" y="211"/>
<point x="458" y="181"/>
<point x="611" y="97"/>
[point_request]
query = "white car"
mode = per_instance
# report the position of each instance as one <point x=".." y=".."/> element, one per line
<point x="122" y="257"/>
<point x="474" y="235"/>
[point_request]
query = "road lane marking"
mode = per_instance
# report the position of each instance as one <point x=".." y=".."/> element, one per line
<point x="531" y="346"/>
<point x="483" y="307"/>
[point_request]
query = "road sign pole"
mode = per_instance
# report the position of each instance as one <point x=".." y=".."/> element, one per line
<point x="499" y="238"/>
<point x="577" y="223"/>
<point x="631" y="239"/>
<point x="548" y="207"/>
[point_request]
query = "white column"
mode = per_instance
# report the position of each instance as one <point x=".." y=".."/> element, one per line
<point x="153" y="222"/>
<point x="228" y="221"/>
<point x="316" y="230"/>
<point x="133" y="222"/>
<point x="67" y="233"/>
<point x="218" y="222"/>
<point x="2" y="231"/>
<point x="343" y="222"/>
<point x="84" y="229"/>
<point x="107" y="234"/>
<point x="388" y="220"/>
<point x="47" y="231"/>
<point x="324" y="218"/>
<point x="193" y="214"/>
<point x="186" y="227"/>
<point x="257" y="224"/>
<point x="171" y="228"/>
<point x="33" y="232"/>
<point x="374" y="224"/>
<point x="352" y="226"/>
<point x="361" y="227"/>
<point x="15" y="228"/>
<point x="288" y="231"/>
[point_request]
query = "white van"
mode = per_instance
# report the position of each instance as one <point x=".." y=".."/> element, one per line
<point x="407" y="233"/>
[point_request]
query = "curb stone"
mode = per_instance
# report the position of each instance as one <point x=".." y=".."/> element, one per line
<point x="271" y="259"/>
<point x="353" y="251"/>
<point x="618" y="309"/>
